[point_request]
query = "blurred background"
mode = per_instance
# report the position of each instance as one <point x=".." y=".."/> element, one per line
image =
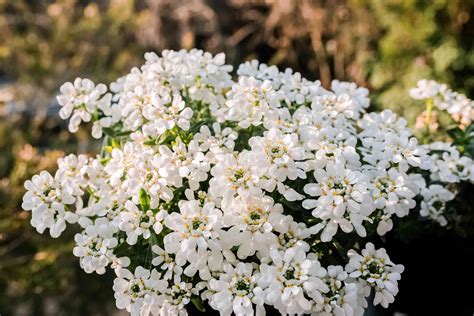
<point x="383" y="45"/>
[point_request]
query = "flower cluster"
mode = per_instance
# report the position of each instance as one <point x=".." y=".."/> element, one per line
<point x="234" y="192"/>
<point x="457" y="105"/>
<point x="376" y="269"/>
<point x="449" y="168"/>
<point x="83" y="101"/>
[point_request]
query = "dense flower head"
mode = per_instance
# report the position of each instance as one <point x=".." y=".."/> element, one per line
<point x="49" y="201"/>
<point x="235" y="193"/>
<point x="375" y="269"/>
<point x="448" y="169"/>
<point x="457" y="105"/>
<point x="95" y="246"/>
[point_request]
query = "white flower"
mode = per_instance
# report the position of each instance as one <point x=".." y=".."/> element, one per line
<point x="70" y="171"/>
<point x="133" y="94"/>
<point x="49" y="204"/>
<point x="434" y="202"/>
<point x="341" y="299"/>
<point x="292" y="234"/>
<point x="137" y="222"/>
<point x="122" y="160"/>
<point x="95" y="246"/>
<point x="164" y="113"/>
<point x="392" y="191"/>
<point x="358" y="94"/>
<point x="176" y="297"/>
<point x="458" y="105"/>
<point x="387" y="141"/>
<point x="120" y="263"/>
<point x="191" y="163"/>
<point x="393" y="194"/>
<point x="447" y="164"/>
<point x="81" y="100"/>
<point x="283" y="121"/>
<point x="374" y="268"/>
<point x="296" y="89"/>
<point x="165" y="262"/>
<point x="219" y="190"/>
<point x="236" y="291"/>
<point x="334" y="107"/>
<point x="260" y="71"/>
<point x="277" y="154"/>
<point x="249" y="102"/>
<point x="217" y="143"/>
<point x="138" y="293"/>
<point x="343" y="200"/>
<point x="385" y="224"/>
<point x="327" y="144"/>
<point x="426" y="89"/>
<point x="137" y="167"/>
<point x="292" y="281"/>
<point x="195" y="74"/>
<point x="234" y="175"/>
<point x="195" y="230"/>
<point x="202" y="75"/>
<point x="251" y="222"/>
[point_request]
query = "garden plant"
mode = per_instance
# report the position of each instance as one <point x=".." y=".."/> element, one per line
<point x="249" y="192"/>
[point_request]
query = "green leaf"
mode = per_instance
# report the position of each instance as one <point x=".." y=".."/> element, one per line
<point x="150" y="142"/>
<point x="144" y="200"/>
<point x="455" y="132"/>
<point x="196" y="300"/>
<point x="124" y="133"/>
<point x="166" y="138"/>
<point x="109" y="132"/>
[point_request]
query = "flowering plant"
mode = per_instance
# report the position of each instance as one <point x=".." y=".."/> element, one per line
<point x="239" y="194"/>
<point x="445" y="187"/>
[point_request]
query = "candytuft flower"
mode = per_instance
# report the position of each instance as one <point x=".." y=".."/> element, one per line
<point x="238" y="192"/>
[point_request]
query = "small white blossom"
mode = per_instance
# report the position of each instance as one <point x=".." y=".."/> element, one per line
<point x="447" y="164"/>
<point x="251" y="222"/>
<point x="249" y="102"/>
<point x="138" y="293"/>
<point x="82" y="101"/>
<point x="292" y="281"/>
<point x="194" y="232"/>
<point x="343" y="200"/>
<point x="137" y="222"/>
<point x="165" y="262"/>
<point x="434" y="202"/>
<point x="457" y="105"/>
<point x="164" y="113"/>
<point x="215" y="143"/>
<point x="234" y="175"/>
<point x="278" y="155"/>
<point x="236" y="291"/>
<point x="374" y="268"/>
<point x="95" y="246"/>
<point x="341" y="299"/>
<point x="49" y="202"/>
<point x="176" y="297"/>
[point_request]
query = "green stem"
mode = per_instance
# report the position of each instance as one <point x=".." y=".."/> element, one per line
<point x="428" y="112"/>
<point x="429" y="109"/>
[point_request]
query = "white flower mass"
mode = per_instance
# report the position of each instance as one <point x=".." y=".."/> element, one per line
<point x="235" y="192"/>
<point x="457" y="105"/>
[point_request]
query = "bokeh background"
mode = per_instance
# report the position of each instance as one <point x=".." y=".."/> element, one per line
<point x="383" y="45"/>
